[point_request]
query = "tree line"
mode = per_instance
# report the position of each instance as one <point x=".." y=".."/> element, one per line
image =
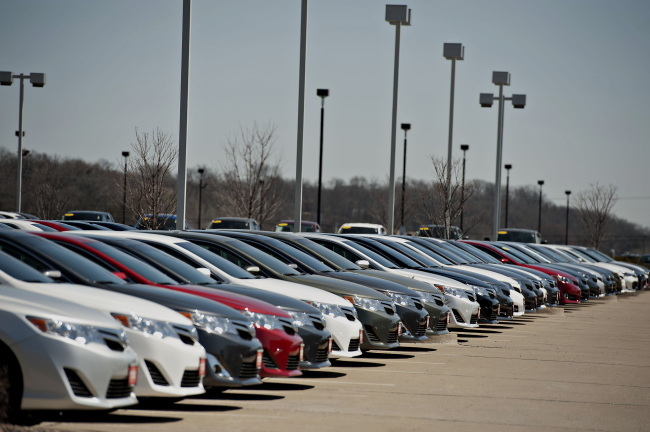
<point x="249" y="183"/>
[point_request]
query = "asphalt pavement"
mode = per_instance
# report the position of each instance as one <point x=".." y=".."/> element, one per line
<point x="584" y="368"/>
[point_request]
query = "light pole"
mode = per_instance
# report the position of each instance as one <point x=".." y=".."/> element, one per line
<point x="37" y="80"/>
<point x="405" y="127"/>
<point x="464" y="148"/>
<point x="486" y="99"/>
<point x="125" y="154"/>
<point x="397" y="15"/>
<point x="566" y="233"/>
<point x="181" y="194"/>
<point x="539" y="218"/>
<point x="508" y="167"/>
<point x="201" y="187"/>
<point x="297" y="210"/>
<point x="453" y="52"/>
<point x="322" y="93"/>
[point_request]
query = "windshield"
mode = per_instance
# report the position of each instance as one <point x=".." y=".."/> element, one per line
<point x="60" y="256"/>
<point x="390" y="254"/>
<point x="288" y="227"/>
<point x="290" y="254"/>
<point x="582" y="254"/>
<point x="318" y="251"/>
<point x="358" y="230"/>
<point x="454" y="254"/>
<point x="533" y="254"/>
<point x="596" y="255"/>
<point x="140" y="267"/>
<point x="517" y="236"/>
<point x="514" y="254"/>
<point x="566" y="256"/>
<point x="258" y="257"/>
<point x="21" y="271"/>
<point x="476" y="252"/>
<point x="426" y="250"/>
<point x="217" y="261"/>
<point x="549" y="253"/>
<point x="173" y="267"/>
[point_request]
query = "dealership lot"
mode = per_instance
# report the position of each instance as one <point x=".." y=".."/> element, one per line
<point x="582" y="367"/>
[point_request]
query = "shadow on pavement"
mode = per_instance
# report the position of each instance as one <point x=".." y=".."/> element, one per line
<point x="247" y="396"/>
<point x="321" y="374"/>
<point x="186" y="407"/>
<point x="284" y="386"/>
<point x="386" y="355"/>
<point x="356" y="364"/>
<point x="413" y="349"/>
<point x="102" y="417"/>
<point x="471" y="336"/>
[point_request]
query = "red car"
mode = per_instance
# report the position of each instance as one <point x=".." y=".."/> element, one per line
<point x="567" y="284"/>
<point x="283" y="348"/>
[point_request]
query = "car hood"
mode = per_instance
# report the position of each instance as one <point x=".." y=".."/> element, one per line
<point x="295" y="290"/>
<point x="339" y="287"/>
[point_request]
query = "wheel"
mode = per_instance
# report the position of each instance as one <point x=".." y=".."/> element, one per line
<point x="10" y="390"/>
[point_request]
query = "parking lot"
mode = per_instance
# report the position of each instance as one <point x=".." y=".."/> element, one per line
<point x="583" y="367"/>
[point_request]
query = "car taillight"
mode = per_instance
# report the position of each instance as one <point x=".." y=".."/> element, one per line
<point x="202" y="367"/>
<point x="329" y="347"/>
<point x="258" y="359"/>
<point x="302" y="351"/>
<point x="132" y="379"/>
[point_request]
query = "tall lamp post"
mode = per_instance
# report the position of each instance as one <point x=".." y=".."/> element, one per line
<point x="397" y="15"/>
<point x="297" y="205"/>
<point x="453" y="52"/>
<point x="464" y="148"/>
<point x="405" y="127"/>
<point x="566" y="232"/>
<point x="539" y="218"/>
<point x="201" y="187"/>
<point x="322" y="93"/>
<point x="508" y="167"/>
<point x="37" y="80"/>
<point x="125" y="154"/>
<point x="486" y="99"/>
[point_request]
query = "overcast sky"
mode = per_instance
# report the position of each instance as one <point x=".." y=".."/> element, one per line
<point x="113" y="66"/>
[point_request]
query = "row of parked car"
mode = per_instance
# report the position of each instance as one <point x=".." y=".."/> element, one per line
<point x="97" y="316"/>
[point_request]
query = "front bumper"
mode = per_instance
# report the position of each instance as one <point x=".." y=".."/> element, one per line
<point x="380" y="329"/>
<point x="282" y="353"/>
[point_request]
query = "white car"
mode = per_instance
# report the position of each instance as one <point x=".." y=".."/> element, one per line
<point x="339" y="316"/>
<point x="58" y="355"/>
<point x="458" y="296"/>
<point x="25" y="225"/>
<point x="171" y="362"/>
<point x="362" y="228"/>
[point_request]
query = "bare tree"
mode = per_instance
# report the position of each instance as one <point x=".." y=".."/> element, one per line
<point x="150" y="192"/>
<point x="594" y="206"/>
<point x="52" y="193"/>
<point x="250" y="176"/>
<point x="436" y="203"/>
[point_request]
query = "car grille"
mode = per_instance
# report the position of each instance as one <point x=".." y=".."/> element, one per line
<point x="191" y="378"/>
<point x="156" y="376"/>
<point x="288" y="326"/>
<point x="440" y="302"/>
<point x="335" y="346"/>
<point x="422" y="329"/>
<point x="113" y="340"/>
<point x="392" y="336"/>
<point x="459" y="318"/>
<point x="474" y="319"/>
<point x="418" y="304"/>
<point x="372" y="337"/>
<point x="243" y="330"/>
<point x="442" y="325"/>
<point x="248" y="370"/>
<point x="354" y="345"/>
<point x="78" y="387"/>
<point x="118" y="388"/>
<point x="293" y="362"/>
<point x="388" y="307"/>
<point x="322" y="355"/>
<point x="349" y="313"/>
<point x="317" y="321"/>
<point x="268" y="361"/>
<point x="494" y="313"/>
<point x="184" y="335"/>
<point x="471" y="297"/>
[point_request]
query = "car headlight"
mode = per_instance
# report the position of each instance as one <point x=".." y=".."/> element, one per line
<point x="80" y="333"/>
<point x="269" y="322"/>
<point x="561" y="278"/>
<point x="480" y="290"/>
<point x="156" y="328"/>
<point x="300" y="319"/>
<point x="328" y="309"/>
<point x="400" y="299"/>
<point x="365" y="303"/>
<point x="456" y="292"/>
<point x="429" y="297"/>
<point x="212" y="323"/>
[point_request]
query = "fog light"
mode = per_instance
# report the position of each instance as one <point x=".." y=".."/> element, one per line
<point x="132" y="379"/>
<point x="399" y="329"/>
<point x="428" y="320"/>
<point x="329" y="346"/>
<point x="360" y="337"/>
<point x="202" y="367"/>
<point x="302" y="351"/>
<point x="448" y="318"/>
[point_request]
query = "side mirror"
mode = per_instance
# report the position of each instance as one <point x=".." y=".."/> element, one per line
<point x="364" y="264"/>
<point x="253" y="270"/>
<point x="53" y="274"/>
<point x="505" y="260"/>
<point x="293" y="266"/>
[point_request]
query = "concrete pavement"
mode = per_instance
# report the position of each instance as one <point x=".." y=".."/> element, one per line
<point x="583" y="367"/>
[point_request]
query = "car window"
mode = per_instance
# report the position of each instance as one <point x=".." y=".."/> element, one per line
<point x="21" y="270"/>
<point x="217" y="261"/>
